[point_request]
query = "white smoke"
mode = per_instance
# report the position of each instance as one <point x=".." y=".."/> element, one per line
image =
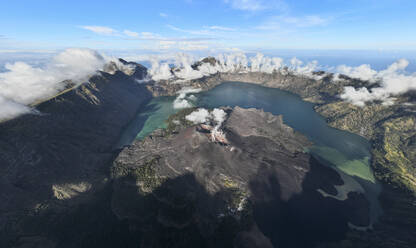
<point x="219" y="117"/>
<point x="393" y="81"/>
<point x="203" y="116"/>
<point x="23" y="84"/>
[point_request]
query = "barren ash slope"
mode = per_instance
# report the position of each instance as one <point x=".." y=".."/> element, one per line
<point x="64" y="185"/>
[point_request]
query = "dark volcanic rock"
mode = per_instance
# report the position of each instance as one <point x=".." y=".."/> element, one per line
<point x="208" y="60"/>
<point x="258" y="188"/>
<point x="132" y="69"/>
<point x="54" y="165"/>
<point x="390" y="129"/>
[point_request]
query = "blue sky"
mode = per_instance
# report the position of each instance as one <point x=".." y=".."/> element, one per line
<point x="190" y="25"/>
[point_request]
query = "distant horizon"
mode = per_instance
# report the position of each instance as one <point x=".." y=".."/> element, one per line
<point x="197" y="25"/>
<point x="377" y="59"/>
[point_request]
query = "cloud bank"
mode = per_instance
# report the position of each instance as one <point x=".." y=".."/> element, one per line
<point x="393" y="81"/>
<point x="233" y="63"/>
<point x="177" y="68"/>
<point x="22" y="84"/>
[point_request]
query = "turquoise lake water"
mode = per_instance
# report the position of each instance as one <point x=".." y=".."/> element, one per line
<point x="347" y="153"/>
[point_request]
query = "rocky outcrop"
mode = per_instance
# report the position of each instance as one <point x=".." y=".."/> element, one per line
<point x="55" y="164"/>
<point x="134" y="70"/>
<point x="260" y="188"/>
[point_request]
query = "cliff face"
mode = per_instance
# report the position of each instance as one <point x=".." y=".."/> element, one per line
<point x="254" y="188"/>
<point x="56" y="162"/>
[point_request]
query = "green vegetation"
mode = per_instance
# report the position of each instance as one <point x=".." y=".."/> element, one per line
<point x="395" y="153"/>
<point x="392" y="133"/>
<point x="146" y="176"/>
<point x="178" y="120"/>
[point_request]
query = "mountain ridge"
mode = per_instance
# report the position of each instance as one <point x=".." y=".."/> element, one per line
<point x="56" y="187"/>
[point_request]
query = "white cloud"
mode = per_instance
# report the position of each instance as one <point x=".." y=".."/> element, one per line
<point x="192" y="45"/>
<point x="10" y="109"/>
<point x="257" y="5"/>
<point x="160" y="71"/>
<point x="163" y="14"/>
<point x="181" y="104"/>
<point x="292" y="22"/>
<point x="393" y="81"/>
<point x="24" y="84"/>
<point x="306" y="21"/>
<point x="182" y="45"/>
<point x="363" y="72"/>
<point x="181" y="101"/>
<point x="131" y="33"/>
<point x="165" y="43"/>
<point x="221" y="28"/>
<point x="150" y="36"/>
<point x="126" y="33"/>
<point x="204" y="31"/>
<point x="36" y="51"/>
<point x="202" y="115"/>
<point x="101" y="30"/>
<point x="252" y="5"/>
<point x="199" y="116"/>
